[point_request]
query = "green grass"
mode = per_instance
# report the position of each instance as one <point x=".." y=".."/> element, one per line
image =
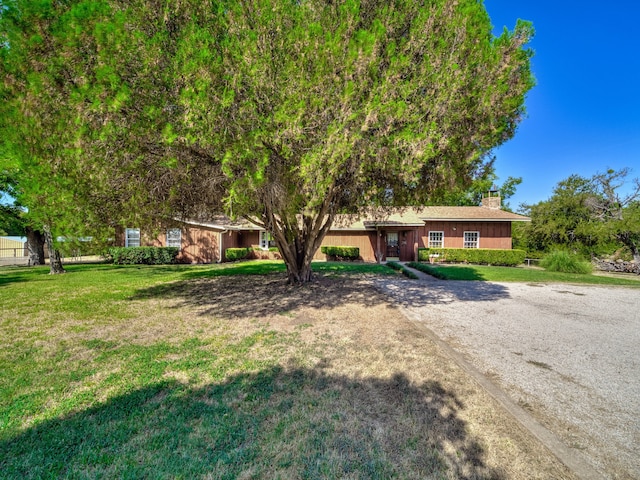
<point x="401" y="268"/>
<point x="173" y="372"/>
<point x="98" y="382"/>
<point x="517" y="274"/>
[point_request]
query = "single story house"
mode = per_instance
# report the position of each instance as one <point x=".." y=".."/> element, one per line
<point x="385" y="234"/>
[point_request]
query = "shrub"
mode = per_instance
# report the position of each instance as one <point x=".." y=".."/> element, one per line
<point x="428" y="269"/>
<point x="233" y="254"/>
<point x="482" y="256"/>
<point x="401" y="268"/>
<point x="258" y="253"/>
<point x="341" y="253"/>
<point x="565" y="262"/>
<point x="143" y="255"/>
<point x="394" y="265"/>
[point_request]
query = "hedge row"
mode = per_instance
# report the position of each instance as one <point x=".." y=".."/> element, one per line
<point x="233" y="254"/>
<point x="488" y="256"/>
<point x="143" y="255"/>
<point x="428" y="269"/>
<point x="341" y="253"/>
<point x="252" y="253"/>
<point x="401" y="268"/>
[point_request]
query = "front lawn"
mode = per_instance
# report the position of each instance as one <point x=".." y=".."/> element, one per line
<point x="518" y="274"/>
<point x="224" y="371"/>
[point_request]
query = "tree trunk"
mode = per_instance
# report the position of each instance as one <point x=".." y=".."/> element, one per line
<point x="298" y="253"/>
<point x="35" y="247"/>
<point x="55" y="261"/>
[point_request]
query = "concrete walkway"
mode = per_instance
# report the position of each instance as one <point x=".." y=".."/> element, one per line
<point x="568" y="354"/>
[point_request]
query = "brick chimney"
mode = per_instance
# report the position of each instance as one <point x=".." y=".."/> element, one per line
<point x="492" y="199"/>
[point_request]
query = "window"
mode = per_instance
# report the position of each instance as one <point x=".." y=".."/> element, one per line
<point x="174" y="237"/>
<point x="132" y="237"/>
<point x="436" y="239"/>
<point x="266" y="240"/>
<point x="471" y="239"/>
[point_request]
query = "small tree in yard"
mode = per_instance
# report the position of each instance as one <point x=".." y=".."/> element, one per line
<point x="285" y="113"/>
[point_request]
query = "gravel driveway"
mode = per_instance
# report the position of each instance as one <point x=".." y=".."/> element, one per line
<point x="568" y="354"/>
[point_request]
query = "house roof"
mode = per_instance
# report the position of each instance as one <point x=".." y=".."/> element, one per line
<point x="222" y="222"/>
<point x="386" y="217"/>
<point x="416" y="217"/>
<point x="484" y="214"/>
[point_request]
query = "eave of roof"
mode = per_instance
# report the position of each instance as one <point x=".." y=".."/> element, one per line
<point x="475" y="219"/>
<point x="391" y="217"/>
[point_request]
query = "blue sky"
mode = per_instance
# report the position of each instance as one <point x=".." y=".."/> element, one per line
<point x="583" y="116"/>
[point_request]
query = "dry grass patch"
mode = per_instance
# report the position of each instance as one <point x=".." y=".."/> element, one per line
<point x="247" y="377"/>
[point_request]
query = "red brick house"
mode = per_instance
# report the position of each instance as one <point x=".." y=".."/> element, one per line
<point x="385" y="234"/>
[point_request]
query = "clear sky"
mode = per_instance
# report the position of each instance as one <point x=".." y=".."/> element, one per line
<point x="583" y="116"/>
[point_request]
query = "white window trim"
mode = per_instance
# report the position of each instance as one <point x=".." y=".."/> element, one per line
<point x="126" y="237"/>
<point x="476" y="241"/>
<point x="441" y="241"/>
<point x="265" y="239"/>
<point x="178" y="233"/>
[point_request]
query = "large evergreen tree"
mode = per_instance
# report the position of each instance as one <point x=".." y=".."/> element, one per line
<point x="283" y="112"/>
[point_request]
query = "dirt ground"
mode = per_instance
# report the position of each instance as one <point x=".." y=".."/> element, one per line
<point x="566" y="353"/>
<point x="350" y="329"/>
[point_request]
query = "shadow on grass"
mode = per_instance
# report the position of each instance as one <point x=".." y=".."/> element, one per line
<point x="256" y="296"/>
<point x="288" y="423"/>
<point x="233" y="294"/>
<point x="17" y="274"/>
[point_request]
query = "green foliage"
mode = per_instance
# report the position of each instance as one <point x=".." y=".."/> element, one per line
<point x="234" y="254"/>
<point x="429" y="270"/>
<point x="401" y="268"/>
<point x="394" y="266"/>
<point x="143" y="255"/>
<point x="588" y="215"/>
<point x="488" y="256"/>
<point x="525" y="275"/>
<point x="473" y="194"/>
<point x="565" y="262"/>
<point x="277" y="111"/>
<point x="340" y="253"/>
<point x="561" y="220"/>
<point x="11" y="220"/>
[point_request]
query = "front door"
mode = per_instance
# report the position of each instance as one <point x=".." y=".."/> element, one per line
<point x="393" y="246"/>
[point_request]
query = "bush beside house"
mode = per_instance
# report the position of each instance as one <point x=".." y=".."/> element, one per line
<point x="143" y="255"/>
<point x="251" y="253"/>
<point x="481" y="256"/>
<point x="335" y="253"/>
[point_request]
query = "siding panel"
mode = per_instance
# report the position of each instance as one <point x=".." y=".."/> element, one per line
<point x="365" y="241"/>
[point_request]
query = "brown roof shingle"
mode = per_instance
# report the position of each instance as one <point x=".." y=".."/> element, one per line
<point x="388" y="217"/>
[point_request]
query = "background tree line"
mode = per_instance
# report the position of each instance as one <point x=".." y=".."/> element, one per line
<point x="586" y="215"/>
